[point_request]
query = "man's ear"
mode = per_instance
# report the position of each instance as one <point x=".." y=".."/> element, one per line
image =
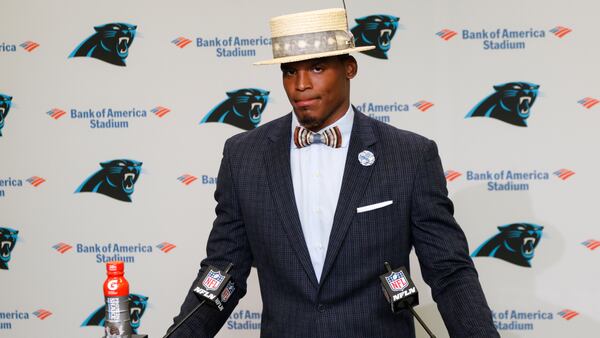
<point x="351" y="67"/>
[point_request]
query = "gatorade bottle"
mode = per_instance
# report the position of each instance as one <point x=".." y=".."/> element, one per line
<point x="116" y="294"/>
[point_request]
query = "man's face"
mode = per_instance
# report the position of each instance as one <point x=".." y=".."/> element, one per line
<point x="319" y="89"/>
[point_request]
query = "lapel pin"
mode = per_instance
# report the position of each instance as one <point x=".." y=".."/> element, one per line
<point x="366" y="158"/>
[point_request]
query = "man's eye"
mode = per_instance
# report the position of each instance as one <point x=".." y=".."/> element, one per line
<point x="317" y="69"/>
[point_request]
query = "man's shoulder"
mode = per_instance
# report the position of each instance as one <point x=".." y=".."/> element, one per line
<point x="393" y="136"/>
<point x="255" y="138"/>
<point x="401" y="147"/>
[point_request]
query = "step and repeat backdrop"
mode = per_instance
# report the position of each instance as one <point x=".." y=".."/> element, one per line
<point x="113" y="116"/>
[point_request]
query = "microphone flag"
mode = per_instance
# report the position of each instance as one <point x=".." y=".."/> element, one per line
<point x="399" y="289"/>
<point x="215" y="287"/>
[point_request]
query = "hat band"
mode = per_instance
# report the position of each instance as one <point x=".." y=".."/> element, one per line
<point x="311" y="43"/>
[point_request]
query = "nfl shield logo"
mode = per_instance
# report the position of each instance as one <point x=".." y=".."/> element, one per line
<point x="397" y="281"/>
<point x="227" y="292"/>
<point x="213" y="280"/>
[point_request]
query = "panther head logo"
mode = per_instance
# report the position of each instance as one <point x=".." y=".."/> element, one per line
<point x="8" y="239"/>
<point x="511" y="103"/>
<point x="515" y="243"/>
<point x="5" y="103"/>
<point x="243" y="108"/>
<point x="375" y="30"/>
<point x="110" y="43"/>
<point x="115" y="179"/>
<point x="137" y="307"/>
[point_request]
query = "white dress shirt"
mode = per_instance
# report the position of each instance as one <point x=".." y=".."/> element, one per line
<point x="317" y="172"/>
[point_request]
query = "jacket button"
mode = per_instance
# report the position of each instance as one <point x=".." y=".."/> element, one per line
<point x="321" y="308"/>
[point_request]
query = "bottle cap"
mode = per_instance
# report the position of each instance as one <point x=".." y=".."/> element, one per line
<point x="115" y="266"/>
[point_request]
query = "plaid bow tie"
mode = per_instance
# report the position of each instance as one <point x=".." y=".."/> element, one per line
<point x="331" y="137"/>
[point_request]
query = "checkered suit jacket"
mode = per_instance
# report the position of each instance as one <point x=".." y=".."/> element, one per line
<point x="257" y="223"/>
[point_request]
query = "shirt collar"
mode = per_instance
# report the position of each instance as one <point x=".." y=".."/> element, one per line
<point x="344" y="123"/>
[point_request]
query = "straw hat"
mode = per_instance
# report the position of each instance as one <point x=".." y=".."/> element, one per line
<point x="311" y="35"/>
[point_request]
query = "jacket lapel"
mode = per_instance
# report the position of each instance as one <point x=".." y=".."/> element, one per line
<point x="279" y="176"/>
<point x="355" y="180"/>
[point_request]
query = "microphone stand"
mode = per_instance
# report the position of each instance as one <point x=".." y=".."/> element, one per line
<point x="420" y="321"/>
<point x="185" y="318"/>
<point x="410" y="308"/>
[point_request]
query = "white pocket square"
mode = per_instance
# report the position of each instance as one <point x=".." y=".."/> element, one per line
<point x="373" y="206"/>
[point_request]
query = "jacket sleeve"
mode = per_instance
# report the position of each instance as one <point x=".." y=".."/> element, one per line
<point x="441" y="247"/>
<point x="227" y="243"/>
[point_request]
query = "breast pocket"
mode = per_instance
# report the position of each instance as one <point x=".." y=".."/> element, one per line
<point x="374" y="206"/>
<point x="380" y="214"/>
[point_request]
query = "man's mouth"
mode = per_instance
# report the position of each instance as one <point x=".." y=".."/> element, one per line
<point x="524" y="105"/>
<point x="305" y="102"/>
<point x="123" y="41"/>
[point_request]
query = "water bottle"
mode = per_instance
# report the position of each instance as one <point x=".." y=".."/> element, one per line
<point x="117" y="322"/>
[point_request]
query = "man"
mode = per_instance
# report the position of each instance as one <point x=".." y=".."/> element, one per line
<point x="319" y="199"/>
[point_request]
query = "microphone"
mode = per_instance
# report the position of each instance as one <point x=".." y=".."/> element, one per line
<point x="401" y="292"/>
<point x="215" y="288"/>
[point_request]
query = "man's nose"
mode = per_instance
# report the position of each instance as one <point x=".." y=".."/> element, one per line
<point x="303" y="81"/>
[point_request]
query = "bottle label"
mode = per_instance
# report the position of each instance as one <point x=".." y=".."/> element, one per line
<point x="118" y="322"/>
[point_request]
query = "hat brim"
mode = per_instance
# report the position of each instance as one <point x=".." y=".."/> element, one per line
<point x="303" y="57"/>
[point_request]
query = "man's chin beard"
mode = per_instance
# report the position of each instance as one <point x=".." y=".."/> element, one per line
<point x="311" y="123"/>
